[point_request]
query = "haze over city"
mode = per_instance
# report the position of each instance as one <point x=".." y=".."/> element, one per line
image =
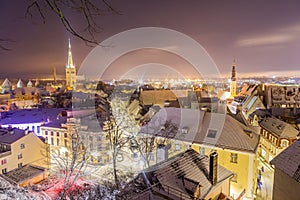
<point x="261" y="35"/>
<point x="152" y="100"/>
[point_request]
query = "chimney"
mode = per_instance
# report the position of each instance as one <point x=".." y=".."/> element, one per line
<point x="213" y="168"/>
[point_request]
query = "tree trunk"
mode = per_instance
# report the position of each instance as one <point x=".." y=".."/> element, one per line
<point x="115" y="169"/>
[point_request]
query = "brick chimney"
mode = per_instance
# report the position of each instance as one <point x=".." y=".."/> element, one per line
<point x="213" y="168"/>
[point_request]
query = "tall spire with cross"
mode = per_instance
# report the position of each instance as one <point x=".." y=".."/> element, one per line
<point x="70" y="59"/>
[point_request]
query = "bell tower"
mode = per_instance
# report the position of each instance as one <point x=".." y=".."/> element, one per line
<point x="233" y="80"/>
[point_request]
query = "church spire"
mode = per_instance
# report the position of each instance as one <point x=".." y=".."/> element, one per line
<point x="70" y="71"/>
<point x="70" y="59"/>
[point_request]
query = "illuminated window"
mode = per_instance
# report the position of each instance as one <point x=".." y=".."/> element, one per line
<point x="3" y="162"/>
<point x="233" y="157"/>
<point x="22" y="146"/>
<point x="20" y="156"/>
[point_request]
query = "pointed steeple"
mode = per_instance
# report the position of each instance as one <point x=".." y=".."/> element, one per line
<point x="70" y="59"/>
<point x="70" y="71"/>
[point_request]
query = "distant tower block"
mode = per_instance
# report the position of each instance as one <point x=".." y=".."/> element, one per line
<point x="233" y="80"/>
<point x="54" y="74"/>
<point x="70" y="70"/>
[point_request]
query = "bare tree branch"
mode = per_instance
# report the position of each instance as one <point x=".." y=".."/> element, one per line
<point x="88" y="9"/>
<point x="4" y="42"/>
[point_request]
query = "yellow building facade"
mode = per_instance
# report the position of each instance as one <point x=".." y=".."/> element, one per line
<point x="244" y="166"/>
<point x="27" y="150"/>
<point x="235" y="143"/>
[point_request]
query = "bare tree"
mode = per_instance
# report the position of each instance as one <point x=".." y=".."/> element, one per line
<point x="120" y="129"/>
<point x="72" y="163"/>
<point x="118" y="139"/>
<point x="153" y="136"/>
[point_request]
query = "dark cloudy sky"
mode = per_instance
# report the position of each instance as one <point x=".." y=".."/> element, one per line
<point x="261" y="35"/>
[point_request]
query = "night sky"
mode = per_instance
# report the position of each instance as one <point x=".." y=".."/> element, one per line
<point x="261" y="35"/>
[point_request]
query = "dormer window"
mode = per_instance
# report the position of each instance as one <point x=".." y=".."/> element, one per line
<point x="284" y="143"/>
<point x="184" y="130"/>
<point x="211" y="133"/>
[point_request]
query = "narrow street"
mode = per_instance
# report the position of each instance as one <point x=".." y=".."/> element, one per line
<point x="267" y="179"/>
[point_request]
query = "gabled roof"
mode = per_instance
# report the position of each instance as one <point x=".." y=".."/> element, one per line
<point x="9" y="136"/>
<point x="183" y="174"/>
<point x="288" y="161"/>
<point x="213" y="129"/>
<point x="279" y="128"/>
